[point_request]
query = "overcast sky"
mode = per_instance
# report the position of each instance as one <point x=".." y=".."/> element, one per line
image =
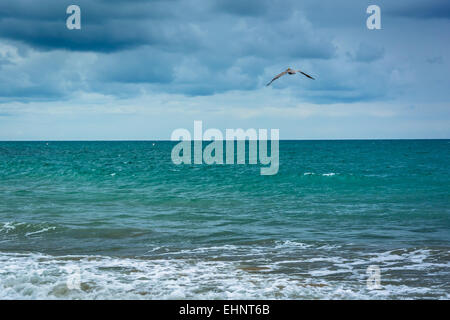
<point x="140" y="69"/>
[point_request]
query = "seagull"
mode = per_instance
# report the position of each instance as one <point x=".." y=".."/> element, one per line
<point x="289" y="71"/>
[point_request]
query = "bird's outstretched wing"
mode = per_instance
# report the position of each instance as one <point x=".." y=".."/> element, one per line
<point x="305" y="74"/>
<point x="276" y="77"/>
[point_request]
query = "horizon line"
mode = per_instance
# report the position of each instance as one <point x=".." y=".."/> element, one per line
<point x="165" y="140"/>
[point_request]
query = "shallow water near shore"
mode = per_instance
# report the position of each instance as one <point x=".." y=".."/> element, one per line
<point x="126" y="222"/>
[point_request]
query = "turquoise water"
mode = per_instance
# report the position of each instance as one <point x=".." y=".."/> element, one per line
<point x="130" y="224"/>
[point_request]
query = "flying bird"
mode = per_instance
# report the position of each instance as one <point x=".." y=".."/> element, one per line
<point x="289" y="71"/>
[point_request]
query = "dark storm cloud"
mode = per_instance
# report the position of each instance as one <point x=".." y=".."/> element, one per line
<point x="106" y="25"/>
<point x="109" y="26"/>
<point x="165" y="43"/>
<point x="137" y="67"/>
<point x="420" y="9"/>
<point x="193" y="47"/>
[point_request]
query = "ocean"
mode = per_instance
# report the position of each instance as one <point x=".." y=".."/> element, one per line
<point x="119" y="220"/>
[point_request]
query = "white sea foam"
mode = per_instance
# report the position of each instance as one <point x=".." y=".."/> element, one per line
<point x="9" y="226"/>
<point x="323" y="174"/>
<point x="39" y="231"/>
<point x="27" y="229"/>
<point x="292" y="244"/>
<point x="39" y="276"/>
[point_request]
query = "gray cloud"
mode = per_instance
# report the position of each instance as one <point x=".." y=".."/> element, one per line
<point x="245" y="8"/>
<point x="434" y="60"/>
<point x="200" y="47"/>
<point x="106" y="26"/>
<point x="366" y="53"/>
<point x="420" y="9"/>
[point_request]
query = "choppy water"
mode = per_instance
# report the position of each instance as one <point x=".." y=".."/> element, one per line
<point x="122" y="221"/>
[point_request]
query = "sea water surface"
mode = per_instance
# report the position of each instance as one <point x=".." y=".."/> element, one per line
<point x="118" y="220"/>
